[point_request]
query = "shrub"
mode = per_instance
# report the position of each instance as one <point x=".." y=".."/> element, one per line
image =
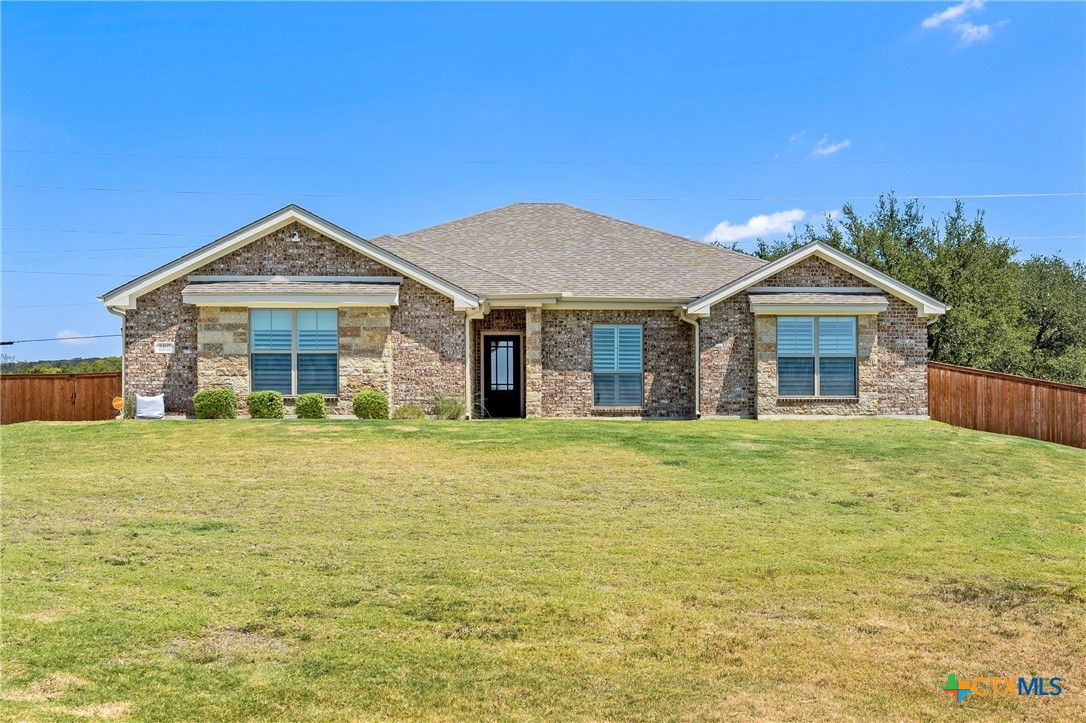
<point x="311" y="406"/>
<point x="370" y="405"/>
<point x="409" y="411"/>
<point x="448" y="407"/>
<point x="215" y="404"/>
<point x="265" y="405"/>
<point x="129" y="410"/>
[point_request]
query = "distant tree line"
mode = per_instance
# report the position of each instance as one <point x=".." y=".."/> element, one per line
<point x="77" y="365"/>
<point x="1006" y="315"/>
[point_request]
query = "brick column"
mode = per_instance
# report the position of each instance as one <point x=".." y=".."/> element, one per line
<point x="533" y="362"/>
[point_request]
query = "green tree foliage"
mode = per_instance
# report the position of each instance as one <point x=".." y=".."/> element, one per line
<point x="78" y="365"/>
<point x="1007" y="315"/>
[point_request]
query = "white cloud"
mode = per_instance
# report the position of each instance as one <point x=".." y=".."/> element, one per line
<point x="967" y="31"/>
<point x="796" y="136"/>
<point x="781" y="222"/>
<point x="66" y="337"/>
<point x="954" y="12"/>
<point x="970" y="33"/>
<point x="825" y="148"/>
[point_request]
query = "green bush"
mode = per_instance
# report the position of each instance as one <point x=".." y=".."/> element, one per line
<point x="409" y="411"/>
<point x="215" y="404"/>
<point x="449" y="407"/>
<point x="311" y="406"/>
<point x="370" y="405"/>
<point x="265" y="405"/>
<point x="129" y="411"/>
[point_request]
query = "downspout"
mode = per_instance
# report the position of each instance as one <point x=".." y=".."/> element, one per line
<point x="467" y="366"/>
<point x="693" y="321"/>
<point x="117" y="312"/>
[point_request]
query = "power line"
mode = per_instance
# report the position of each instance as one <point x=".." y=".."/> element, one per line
<point x="641" y="199"/>
<point x="119" y="233"/>
<point x="65" y="273"/>
<point x="61" y="338"/>
<point x="46" y="306"/>
<point x="539" y="162"/>
<point x="95" y="248"/>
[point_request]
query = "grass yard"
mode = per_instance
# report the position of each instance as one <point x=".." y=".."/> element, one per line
<point x="537" y="570"/>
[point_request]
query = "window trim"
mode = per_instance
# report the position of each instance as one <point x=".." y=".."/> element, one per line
<point x="817" y="356"/>
<point x="640" y="371"/>
<point x="294" y="351"/>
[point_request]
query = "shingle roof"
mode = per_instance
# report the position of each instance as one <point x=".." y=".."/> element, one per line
<point x="872" y="296"/>
<point x="532" y="248"/>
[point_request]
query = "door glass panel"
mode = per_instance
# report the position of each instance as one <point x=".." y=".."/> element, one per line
<point x="501" y="365"/>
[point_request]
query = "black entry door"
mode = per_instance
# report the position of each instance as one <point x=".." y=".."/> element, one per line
<point x="501" y="376"/>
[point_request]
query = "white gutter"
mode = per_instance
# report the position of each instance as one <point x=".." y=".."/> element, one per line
<point x="693" y="321"/>
<point x="118" y="312"/>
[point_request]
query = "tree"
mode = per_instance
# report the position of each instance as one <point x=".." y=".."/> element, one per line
<point x="1020" y="318"/>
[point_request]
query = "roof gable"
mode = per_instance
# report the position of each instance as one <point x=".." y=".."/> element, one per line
<point x="125" y="296"/>
<point x="925" y="305"/>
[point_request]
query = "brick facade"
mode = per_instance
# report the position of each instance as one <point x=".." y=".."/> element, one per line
<point x="566" y="350"/>
<point x="728" y="384"/>
<point x="891" y="353"/>
<point x="416" y="350"/>
<point x="424" y="335"/>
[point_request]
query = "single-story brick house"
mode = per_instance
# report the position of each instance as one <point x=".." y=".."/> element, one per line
<point x="531" y="310"/>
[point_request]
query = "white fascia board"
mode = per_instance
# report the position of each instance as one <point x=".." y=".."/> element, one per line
<point x="635" y="305"/>
<point x="925" y="305"/>
<point x="290" y="301"/>
<point x="820" y="309"/>
<point x="198" y="279"/>
<point x="124" y="296"/>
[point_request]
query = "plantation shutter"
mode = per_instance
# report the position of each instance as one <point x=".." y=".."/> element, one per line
<point x="616" y="365"/>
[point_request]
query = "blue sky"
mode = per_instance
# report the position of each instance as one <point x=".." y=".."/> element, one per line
<point x="700" y="119"/>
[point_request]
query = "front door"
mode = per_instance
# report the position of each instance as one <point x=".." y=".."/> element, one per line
<point x="501" y="376"/>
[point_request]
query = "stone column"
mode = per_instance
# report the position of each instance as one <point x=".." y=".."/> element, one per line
<point x="765" y="355"/>
<point x="533" y="362"/>
<point x="222" y="349"/>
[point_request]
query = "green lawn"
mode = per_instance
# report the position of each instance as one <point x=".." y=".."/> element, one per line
<point x="537" y="570"/>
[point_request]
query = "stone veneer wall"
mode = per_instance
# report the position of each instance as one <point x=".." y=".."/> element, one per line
<point x="566" y="358"/>
<point x="728" y="384"/>
<point x="424" y="338"/>
<point x="222" y="349"/>
<point x="891" y="352"/>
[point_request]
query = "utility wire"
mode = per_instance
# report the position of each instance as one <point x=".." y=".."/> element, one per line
<point x="643" y="199"/>
<point x="46" y="306"/>
<point x="96" y="249"/>
<point x="64" y="273"/>
<point x="119" y="233"/>
<point x="539" y="162"/>
<point x="63" y="338"/>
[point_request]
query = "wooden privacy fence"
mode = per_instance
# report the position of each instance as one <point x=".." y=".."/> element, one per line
<point x="1007" y="404"/>
<point x="58" y="397"/>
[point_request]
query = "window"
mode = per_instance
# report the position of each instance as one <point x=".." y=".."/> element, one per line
<point x="294" y="352"/>
<point x="816" y="356"/>
<point x="616" y="366"/>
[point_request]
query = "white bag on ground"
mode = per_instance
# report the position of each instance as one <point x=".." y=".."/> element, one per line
<point x="150" y="407"/>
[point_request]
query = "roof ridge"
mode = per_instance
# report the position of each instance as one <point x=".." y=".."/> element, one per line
<point x="458" y="220"/>
<point x="676" y="236"/>
<point x="453" y="258"/>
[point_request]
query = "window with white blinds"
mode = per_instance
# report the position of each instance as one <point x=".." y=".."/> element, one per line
<point x="816" y="356"/>
<point x="616" y="365"/>
<point x="294" y="351"/>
